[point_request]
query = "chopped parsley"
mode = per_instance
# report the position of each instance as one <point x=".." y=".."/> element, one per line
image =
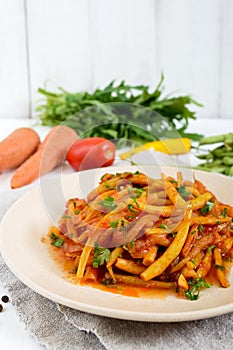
<point x="114" y="224"/>
<point x="102" y="177"/>
<point x="135" y="193"/>
<point x="173" y="235"/>
<point x="53" y="236"/>
<point x="210" y="248"/>
<point x="200" y="228"/>
<point x="195" y="286"/>
<point x="56" y="240"/>
<point x="194" y="262"/>
<point x="101" y="255"/>
<point x="219" y="267"/>
<point x="108" y="186"/>
<point x="164" y="226"/>
<point x="132" y="244"/>
<point x="224" y="212"/>
<point x="131" y="208"/>
<point x="108" y="202"/>
<point x="182" y="191"/>
<point x="123" y="228"/>
<point x="74" y="203"/>
<point x="107" y="282"/>
<point x="130" y="217"/>
<point x="208" y="207"/>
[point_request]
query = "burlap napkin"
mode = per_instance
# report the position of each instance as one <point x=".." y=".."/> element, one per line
<point x="59" y="327"/>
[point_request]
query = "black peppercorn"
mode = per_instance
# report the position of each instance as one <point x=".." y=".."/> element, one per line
<point x="1" y="308"/>
<point x="5" y="298"/>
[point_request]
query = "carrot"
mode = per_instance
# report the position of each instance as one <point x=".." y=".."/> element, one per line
<point x="50" y="154"/>
<point x="17" y="147"/>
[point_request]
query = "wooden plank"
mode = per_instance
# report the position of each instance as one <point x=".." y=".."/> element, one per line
<point x="188" y="49"/>
<point x="123" y="41"/>
<point x="13" y="60"/>
<point x="84" y="44"/>
<point x="59" y="45"/>
<point x="226" y="68"/>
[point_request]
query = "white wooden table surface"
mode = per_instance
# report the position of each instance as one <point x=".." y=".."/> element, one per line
<point x="12" y="333"/>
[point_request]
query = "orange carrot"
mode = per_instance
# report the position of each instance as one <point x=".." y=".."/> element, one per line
<point x="17" y="147"/>
<point x="50" y="154"/>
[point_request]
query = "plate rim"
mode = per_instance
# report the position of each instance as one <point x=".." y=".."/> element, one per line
<point x="99" y="310"/>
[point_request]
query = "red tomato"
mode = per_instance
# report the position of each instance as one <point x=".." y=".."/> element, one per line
<point x="92" y="152"/>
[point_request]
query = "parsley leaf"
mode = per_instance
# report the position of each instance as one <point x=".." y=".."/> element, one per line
<point x="58" y="243"/>
<point x="135" y="193"/>
<point x="53" y="236"/>
<point x="224" y="212"/>
<point x="182" y="191"/>
<point x="132" y="244"/>
<point x="210" y="248"/>
<point x="164" y="226"/>
<point x="219" y="267"/>
<point x="108" y="186"/>
<point x="104" y="255"/>
<point x="101" y="255"/>
<point x="208" y="207"/>
<point x="56" y="240"/>
<point x="132" y="208"/>
<point x="107" y="281"/>
<point x="114" y="224"/>
<point x="200" y="228"/>
<point x="108" y="202"/>
<point x="173" y="181"/>
<point x="194" y="262"/>
<point x="196" y="285"/>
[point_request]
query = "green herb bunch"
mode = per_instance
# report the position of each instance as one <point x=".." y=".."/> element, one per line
<point x="119" y="112"/>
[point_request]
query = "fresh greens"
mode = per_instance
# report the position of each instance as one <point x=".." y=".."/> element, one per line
<point x="108" y="202"/>
<point x="121" y="112"/>
<point x="114" y="224"/>
<point x="210" y="248"/>
<point x="195" y="286"/>
<point x="207" y="208"/>
<point x="101" y="255"/>
<point x="224" y="212"/>
<point x="200" y="228"/>
<point x="135" y="193"/>
<point x="56" y="241"/>
<point x="182" y="191"/>
<point x="219" y="267"/>
<point x="132" y="209"/>
<point x="164" y="226"/>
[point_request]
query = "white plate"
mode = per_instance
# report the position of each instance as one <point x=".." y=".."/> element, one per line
<point x="29" y="219"/>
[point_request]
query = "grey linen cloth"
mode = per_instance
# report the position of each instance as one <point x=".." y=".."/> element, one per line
<point x="61" y="328"/>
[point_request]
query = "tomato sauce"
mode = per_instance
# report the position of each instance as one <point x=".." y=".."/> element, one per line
<point x="68" y="268"/>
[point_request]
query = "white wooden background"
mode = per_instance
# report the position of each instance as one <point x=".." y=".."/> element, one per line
<point x="82" y="44"/>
